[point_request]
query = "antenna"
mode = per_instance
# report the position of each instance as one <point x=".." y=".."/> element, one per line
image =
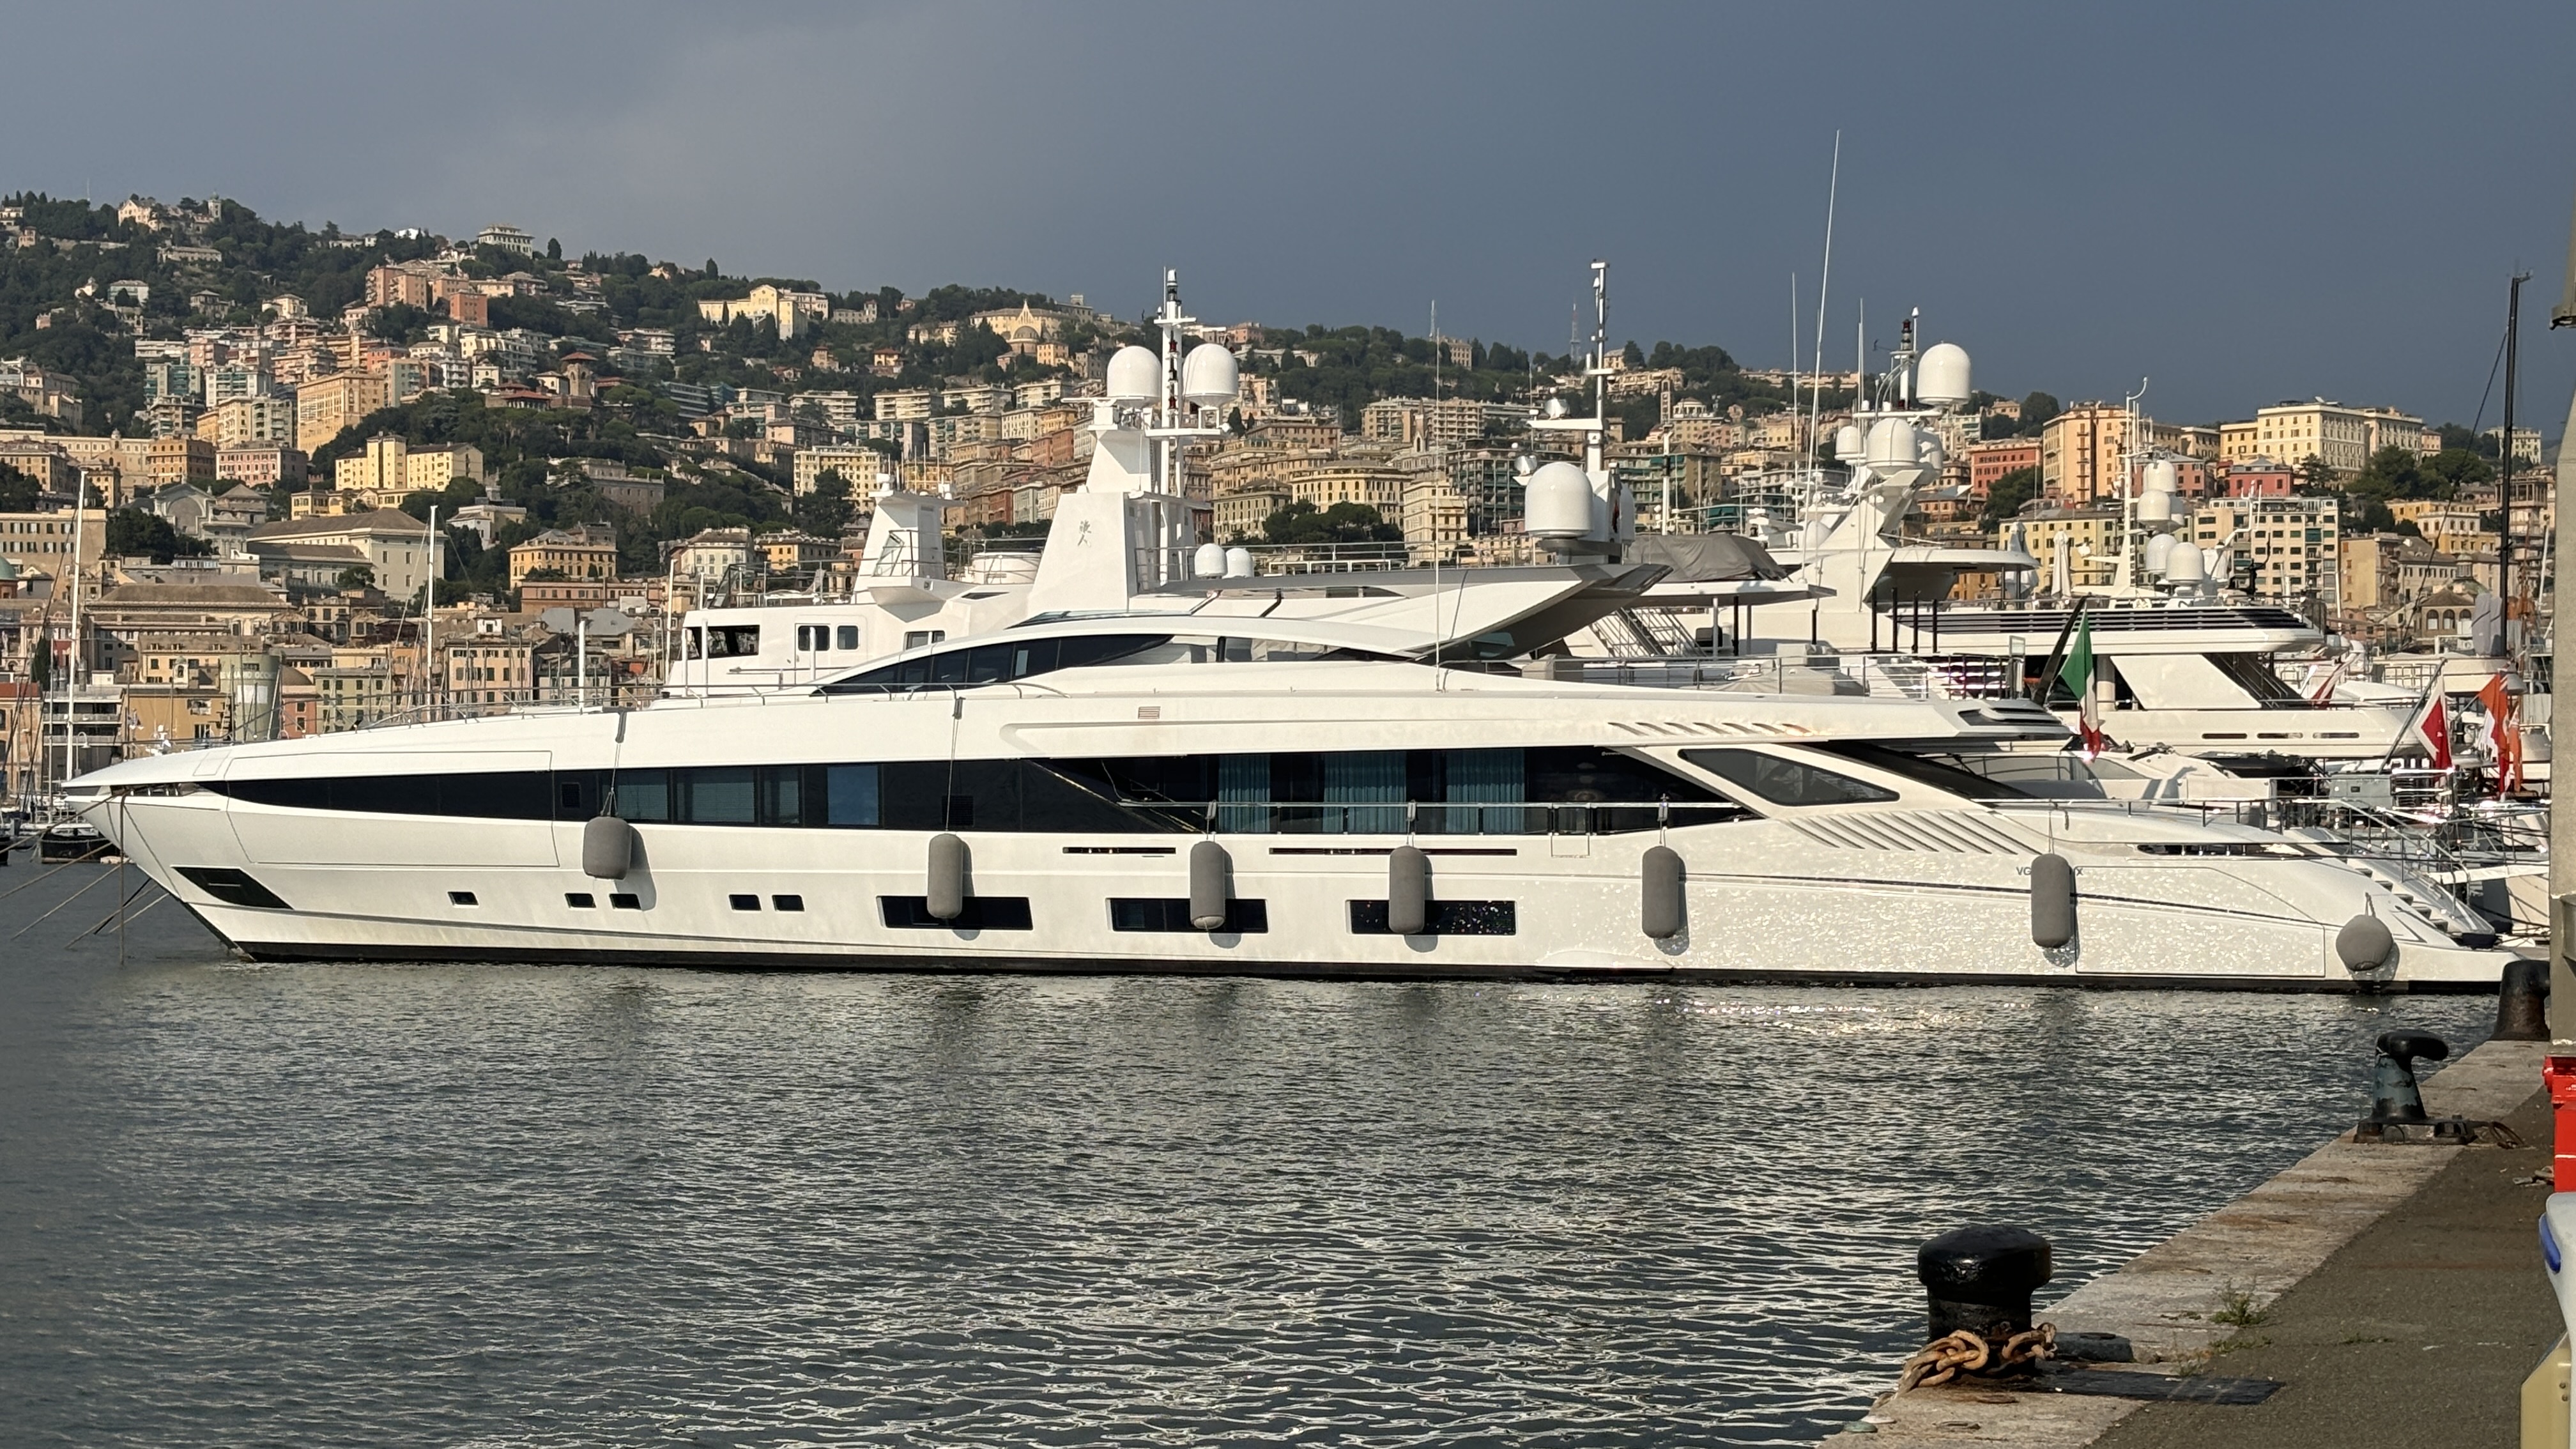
<point x="2565" y="315"/>
<point x="1824" y="287"/>
<point x="1793" y="337"/>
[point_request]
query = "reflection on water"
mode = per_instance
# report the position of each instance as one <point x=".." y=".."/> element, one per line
<point x="581" y="1206"/>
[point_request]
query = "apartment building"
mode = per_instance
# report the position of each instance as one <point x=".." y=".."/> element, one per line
<point x="260" y="419"/>
<point x="490" y="669"/>
<point x="326" y="405"/>
<point x="390" y="466"/>
<point x="2452" y="526"/>
<point x="395" y="546"/>
<point x="581" y="552"/>
<point x="261" y="465"/>
<point x="2080" y="453"/>
<point x="2293" y="432"/>
<point x="2292" y="543"/>
<point x="858" y="466"/>
<point x="1989" y="460"/>
<point x="47" y="543"/>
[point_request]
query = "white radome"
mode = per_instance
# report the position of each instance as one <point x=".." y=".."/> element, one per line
<point x="1559" y="502"/>
<point x="1135" y="375"/>
<point x="1941" y="375"/>
<point x="1208" y="376"/>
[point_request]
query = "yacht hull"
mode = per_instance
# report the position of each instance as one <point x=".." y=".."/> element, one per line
<point x="1765" y="902"/>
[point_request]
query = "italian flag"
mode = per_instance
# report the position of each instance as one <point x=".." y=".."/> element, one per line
<point x="2077" y="674"/>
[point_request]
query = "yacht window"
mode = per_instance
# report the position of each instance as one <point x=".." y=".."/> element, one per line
<point x="642" y="795"/>
<point x="2059" y="775"/>
<point x="695" y="641"/>
<point x="851" y="795"/>
<point x="2253" y="674"/>
<point x="1567" y="790"/>
<point x="719" y="796"/>
<point x="1950" y="772"/>
<point x="849" y="636"/>
<point x="733" y="641"/>
<point x="915" y="638"/>
<point x="993" y="663"/>
<point x="1784" y="781"/>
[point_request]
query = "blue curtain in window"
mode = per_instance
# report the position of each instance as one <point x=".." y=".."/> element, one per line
<point x="1361" y="780"/>
<point x="1243" y="793"/>
<point x="1479" y="777"/>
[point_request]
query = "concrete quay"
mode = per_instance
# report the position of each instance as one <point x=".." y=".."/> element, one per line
<point x="2395" y="1292"/>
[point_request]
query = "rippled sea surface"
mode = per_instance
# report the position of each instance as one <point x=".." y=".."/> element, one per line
<point x="305" y="1205"/>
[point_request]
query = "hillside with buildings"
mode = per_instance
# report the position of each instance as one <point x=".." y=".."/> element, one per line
<point x="237" y="432"/>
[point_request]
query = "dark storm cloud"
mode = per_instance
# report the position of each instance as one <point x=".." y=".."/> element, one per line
<point x="2244" y="203"/>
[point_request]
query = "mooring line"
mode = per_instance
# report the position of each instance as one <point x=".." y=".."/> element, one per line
<point x="103" y="877"/>
<point x="110" y="918"/>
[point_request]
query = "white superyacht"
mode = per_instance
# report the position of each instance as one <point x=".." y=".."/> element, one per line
<point x="1158" y="772"/>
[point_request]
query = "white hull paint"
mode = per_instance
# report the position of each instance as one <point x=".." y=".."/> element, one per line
<point x="1928" y="888"/>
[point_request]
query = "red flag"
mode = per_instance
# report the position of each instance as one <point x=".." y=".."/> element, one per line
<point x="2433" y="726"/>
<point x="2503" y="738"/>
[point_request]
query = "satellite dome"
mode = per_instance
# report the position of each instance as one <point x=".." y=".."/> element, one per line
<point x="2163" y="476"/>
<point x="1208" y="376"/>
<point x="1848" y="446"/>
<point x="2155" y="507"/>
<point x="2160" y="551"/>
<point x="1238" y="563"/>
<point x="2187" y="564"/>
<point x="1135" y="375"/>
<point x="1941" y="375"/>
<point x="1558" y="503"/>
<point x="1208" y="562"/>
<point x="1892" y="444"/>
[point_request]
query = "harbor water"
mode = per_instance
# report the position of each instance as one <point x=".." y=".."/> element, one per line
<point x="495" y="1206"/>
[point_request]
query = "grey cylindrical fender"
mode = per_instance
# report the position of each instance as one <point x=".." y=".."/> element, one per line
<point x="1659" y="893"/>
<point x="607" y="848"/>
<point x="1211" y="885"/>
<point x="947" y="893"/>
<point x="2052" y="901"/>
<point x="1408" y="891"/>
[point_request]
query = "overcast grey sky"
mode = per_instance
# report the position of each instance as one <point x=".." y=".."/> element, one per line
<point x="2244" y="203"/>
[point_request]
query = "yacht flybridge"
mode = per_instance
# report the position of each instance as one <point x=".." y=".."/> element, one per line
<point x="2180" y="663"/>
<point x="1163" y="765"/>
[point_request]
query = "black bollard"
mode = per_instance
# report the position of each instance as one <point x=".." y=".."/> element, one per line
<point x="2522" y="1002"/>
<point x="2394" y="1097"/>
<point x="1981" y="1279"/>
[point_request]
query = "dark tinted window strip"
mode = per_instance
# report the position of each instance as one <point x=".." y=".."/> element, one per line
<point x="1573" y="791"/>
<point x="1447" y="918"/>
<point x="982" y="913"/>
<point x="1172" y="915"/>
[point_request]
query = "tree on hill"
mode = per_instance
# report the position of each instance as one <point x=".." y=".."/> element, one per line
<point x="18" y="492"/>
<point x="825" y="512"/>
<point x="133" y="533"/>
<point x="2007" y="494"/>
<point x="1302" y="522"/>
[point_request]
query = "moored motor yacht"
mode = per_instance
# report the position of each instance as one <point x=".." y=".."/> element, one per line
<point x="1061" y="794"/>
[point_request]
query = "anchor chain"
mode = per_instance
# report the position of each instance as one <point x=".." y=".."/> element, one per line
<point x="1969" y="1352"/>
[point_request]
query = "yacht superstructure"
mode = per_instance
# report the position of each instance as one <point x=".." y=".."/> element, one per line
<point x="2182" y="664"/>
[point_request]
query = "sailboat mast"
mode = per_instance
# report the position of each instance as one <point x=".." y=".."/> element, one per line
<point x="2504" y="455"/>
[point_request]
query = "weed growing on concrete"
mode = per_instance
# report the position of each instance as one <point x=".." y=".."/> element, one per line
<point x="2366" y="1338"/>
<point x="2236" y="1307"/>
